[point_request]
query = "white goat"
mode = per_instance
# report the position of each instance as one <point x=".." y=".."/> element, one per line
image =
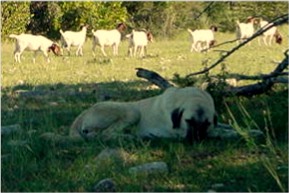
<point x="202" y="39"/>
<point x="245" y="30"/>
<point x="107" y="38"/>
<point x="74" y="39"/>
<point x="34" y="43"/>
<point x="269" y="34"/>
<point x="138" y="40"/>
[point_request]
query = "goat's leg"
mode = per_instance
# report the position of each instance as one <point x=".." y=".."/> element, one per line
<point x="259" y="40"/>
<point x="129" y="51"/>
<point x="93" y="49"/>
<point x="145" y="50"/>
<point x="197" y="47"/>
<point x="46" y="56"/>
<point x="135" y="51"/>
<point x="207" y="46"/>
<point x="102" y="50"/>
<point x="270" y="40"/>
<point x="192" y="47"/>
<point x="141" y="51"/>
<point x="68" y="50"/>
<point x="116" y="49"/>
<point x="79" y="51"/>
<point x="34" y="56"/>
<point x="265" y="40"/>
<point x="17" y="56"/>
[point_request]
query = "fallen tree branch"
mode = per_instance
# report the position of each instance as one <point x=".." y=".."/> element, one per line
<point x="268" y="80"/>
<point x="282" y="80"/>
<point x="261" y="87"/>
<point x="153" y="77"/>
<point x="256" y="77"/>
<point x="278" y="21"/>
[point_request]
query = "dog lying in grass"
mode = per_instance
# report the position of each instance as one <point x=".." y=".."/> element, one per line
<point x="187" y="113"/>
<point x="179" y="113"/>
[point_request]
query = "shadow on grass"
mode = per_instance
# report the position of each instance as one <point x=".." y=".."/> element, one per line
<point x="52" y="108"/>
<point x="59" y="104"/>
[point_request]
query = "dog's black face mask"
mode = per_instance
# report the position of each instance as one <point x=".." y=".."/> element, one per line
<point x="197" y="130"/>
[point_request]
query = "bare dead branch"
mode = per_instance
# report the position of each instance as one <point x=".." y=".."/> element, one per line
<point x="206" y="9"/>
<point x="268" y="80"/>
<point x="261" y="87"/>
<point x="256" y="77"/>
<point x="282" y="80"/>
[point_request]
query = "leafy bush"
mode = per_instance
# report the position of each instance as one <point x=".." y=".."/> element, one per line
<point x="15" y="17"/>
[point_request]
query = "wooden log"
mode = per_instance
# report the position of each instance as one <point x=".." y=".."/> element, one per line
<point x="154" y="78"/>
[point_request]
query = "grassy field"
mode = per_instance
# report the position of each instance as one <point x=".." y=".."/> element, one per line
<point x="45" y="97"/>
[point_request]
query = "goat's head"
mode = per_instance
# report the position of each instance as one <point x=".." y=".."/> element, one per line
<point x="212" y="43"/>
<point x="121" y="27"/>
<point x="250" y="19"/>
<point x="150" y="36"/>
<point x="214" y="28"/>
<point x="278" y="37"/>
<point x="55" y="48"/>
<point x="84" y="26"/>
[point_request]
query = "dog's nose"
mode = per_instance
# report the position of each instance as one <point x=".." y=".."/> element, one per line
<point x="85" y="131"/>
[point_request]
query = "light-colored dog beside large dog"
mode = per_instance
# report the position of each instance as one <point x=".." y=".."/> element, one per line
<point x="187" y="113"/>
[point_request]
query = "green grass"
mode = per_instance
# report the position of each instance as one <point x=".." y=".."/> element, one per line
<point x="68" y="85"/>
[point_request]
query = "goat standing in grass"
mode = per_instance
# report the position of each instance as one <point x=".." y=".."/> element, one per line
<point x="202" y="39"/>
<point x="74" y="39"/>
<point x="138" y="40"/>
<point x="245" y="30"/>
<point x="108" y="38"/>
<point x="34" y="43"/>
<point x="269" y="34"/>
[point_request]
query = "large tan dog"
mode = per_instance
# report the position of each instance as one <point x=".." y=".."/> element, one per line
<point x="187" y="113"/>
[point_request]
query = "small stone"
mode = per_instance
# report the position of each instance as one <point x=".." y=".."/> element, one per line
<point x="149" y="168"/>
<point x="217" y="185"/>
<point x="6" y="130"/>
<point x="105" y="185"/>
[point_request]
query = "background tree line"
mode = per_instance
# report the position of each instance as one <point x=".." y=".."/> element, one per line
<point x="162" y="18"/>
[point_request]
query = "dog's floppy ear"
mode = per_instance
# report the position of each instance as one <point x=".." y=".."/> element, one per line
<point x="215" y="120"/>
<point x="176" y="117"/>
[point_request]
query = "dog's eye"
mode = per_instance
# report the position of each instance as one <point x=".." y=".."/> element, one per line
<point x="85" y="131"/>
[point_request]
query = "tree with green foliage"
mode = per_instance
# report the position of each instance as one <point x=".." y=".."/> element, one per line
<point x="225" y="14"/>
<point x="167" y="18"/>
<point x="46" y="18"/>
<point x="96" y="14"/>
<point x="15" y="17"/>
<point x="163" y="18"/>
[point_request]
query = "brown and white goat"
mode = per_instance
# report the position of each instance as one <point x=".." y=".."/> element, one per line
<point x="269" y="34"/>
<point x="34" y="43"/>
<point x="138" y="40"/>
